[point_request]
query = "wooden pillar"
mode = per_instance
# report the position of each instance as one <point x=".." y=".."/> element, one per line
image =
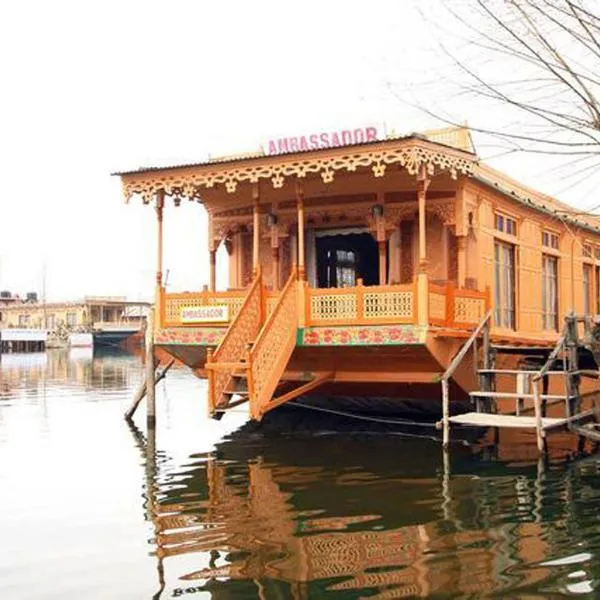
<point x="256" y="228"/>
<point x="160" y="202"/>
<point x="150" y="382"/>
<point x="462" y="260"/>
<point x="276" y="282"/>
<point x="212" y="256"/>
<point x="382" y="263"/>
<point x="422" y="279"/>
<point x="422" y="185"/>
<point x="300" y="206"/>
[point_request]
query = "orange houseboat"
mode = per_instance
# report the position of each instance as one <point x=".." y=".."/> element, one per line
<point x="357" y="271"/>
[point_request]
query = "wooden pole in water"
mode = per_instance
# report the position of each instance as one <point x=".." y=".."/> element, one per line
<point x="445" y="413"/>
<point x="141" y="391"/>
<point x="150" y="383"/>
<point x="538" y="417"/>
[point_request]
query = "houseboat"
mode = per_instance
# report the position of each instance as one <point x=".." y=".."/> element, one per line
<point x="359" y="267"/>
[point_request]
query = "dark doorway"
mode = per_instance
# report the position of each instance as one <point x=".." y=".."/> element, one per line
<point x="343" y="259"/>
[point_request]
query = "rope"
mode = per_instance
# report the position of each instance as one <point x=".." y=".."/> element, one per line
<point x="381" y="420"/>
<point x="364" y="417"/>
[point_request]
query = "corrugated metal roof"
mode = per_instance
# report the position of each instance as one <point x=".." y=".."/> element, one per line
<point x="252" y="156"/>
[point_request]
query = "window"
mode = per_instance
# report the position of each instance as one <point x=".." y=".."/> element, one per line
<point x="587" y="289"/>
<point x="597" y="268"/>
<point x="504" y="293"/>
<point x="345" y="268"/>
<point x="50" y="322"/>
<point x="549" y="292"/>
<point x="505" y="224"/>
<point x="550" y="240"/>
<point x="23" y="320"/>
<point x="71" y="319"/>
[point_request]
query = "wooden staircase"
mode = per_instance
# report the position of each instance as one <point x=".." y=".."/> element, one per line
<point x="227" y="366"/>
<point x="538" y="365"/>
<point x="255" y="374"/>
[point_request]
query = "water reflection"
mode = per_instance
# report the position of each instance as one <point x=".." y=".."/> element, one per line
<point x="75" y="367"/>
<point x="268" y="516"/>
<point x="265" y="518"/>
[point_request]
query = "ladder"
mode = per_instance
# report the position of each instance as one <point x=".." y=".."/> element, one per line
<point x="563" y="361"/>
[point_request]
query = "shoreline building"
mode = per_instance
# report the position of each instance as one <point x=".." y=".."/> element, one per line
<point x="358" y="272"/>
<point x="106" y="317"/>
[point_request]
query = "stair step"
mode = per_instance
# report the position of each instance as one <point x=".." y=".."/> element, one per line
<point x="236" y="392"/>
<point x="481" y="394"/>
<point x="542" y="351"/>
<point x="475" y="419"/>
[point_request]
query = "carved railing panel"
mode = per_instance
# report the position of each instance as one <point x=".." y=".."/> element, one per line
<point x="173" y="304"/>
<point x="361" y="305"/>
<point x="274" y="346"/>
<point x="437" y="304"/>
<point x="469" y="308"/>
<point x="233" y="346"/>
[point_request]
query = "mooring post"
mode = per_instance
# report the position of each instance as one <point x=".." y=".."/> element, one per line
<point x="539" y="432"/>
<point x="445" y="413"/>
<point x="150" y="383"/>
<point x="141" y="391"/>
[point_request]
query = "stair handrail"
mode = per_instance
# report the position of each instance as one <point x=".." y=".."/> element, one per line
<point x="552" y="356"/>
<point x="463" y="351"/>
<point x="450" y="371"/>
<point x="218" y="380"/>
<point x="259" y="388"/>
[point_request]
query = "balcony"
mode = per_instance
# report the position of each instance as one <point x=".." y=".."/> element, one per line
<point x="446" y="306"/>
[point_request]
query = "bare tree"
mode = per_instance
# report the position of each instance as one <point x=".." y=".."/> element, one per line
<point x="537" y="59"/>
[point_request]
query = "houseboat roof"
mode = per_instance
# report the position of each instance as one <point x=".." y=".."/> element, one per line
<point x="447" y="149"/>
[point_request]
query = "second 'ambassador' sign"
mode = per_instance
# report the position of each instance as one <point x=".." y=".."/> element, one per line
<point x="205" y="314"/>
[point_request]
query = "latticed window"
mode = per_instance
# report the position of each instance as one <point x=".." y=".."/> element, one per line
<point x="549" y="292"/>
<point x="504" y="291"/>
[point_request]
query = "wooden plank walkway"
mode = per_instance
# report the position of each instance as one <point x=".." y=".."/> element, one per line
<point x="474" y="419"/>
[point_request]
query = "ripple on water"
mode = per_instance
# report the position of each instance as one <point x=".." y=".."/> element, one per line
<point x="97" y="509"/>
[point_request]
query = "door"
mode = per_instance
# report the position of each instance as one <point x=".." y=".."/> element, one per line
<point x="342" y="259"/>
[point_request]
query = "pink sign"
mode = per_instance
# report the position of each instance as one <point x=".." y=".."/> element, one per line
<point x="317" y="141"/>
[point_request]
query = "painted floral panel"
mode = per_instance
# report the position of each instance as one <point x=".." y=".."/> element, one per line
<point x="362" y="336"/>
<point x="187" y="336"/>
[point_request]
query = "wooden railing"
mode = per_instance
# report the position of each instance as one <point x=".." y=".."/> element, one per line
<point x="361" y="305"/>
<point x="448" y="306"/>
<point x="172" y="304"/>
<point x="456" y="308"/>
<point x="394" y="304"/>
<point x="273" y="347"/>
<point x="232" y="349"/>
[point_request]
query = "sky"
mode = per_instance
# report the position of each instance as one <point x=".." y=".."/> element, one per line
<point x="89" y="88"/>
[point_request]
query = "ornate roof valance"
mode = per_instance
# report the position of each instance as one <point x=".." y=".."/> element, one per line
<point x="187" y="182"/>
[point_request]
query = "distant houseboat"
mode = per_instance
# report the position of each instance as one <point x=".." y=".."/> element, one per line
<point x="357" y="272"/>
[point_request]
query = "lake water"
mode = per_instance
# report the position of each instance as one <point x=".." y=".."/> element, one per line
<point x="92" y="508"/>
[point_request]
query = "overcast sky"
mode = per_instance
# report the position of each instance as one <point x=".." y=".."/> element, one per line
<point x="90" y="88"/>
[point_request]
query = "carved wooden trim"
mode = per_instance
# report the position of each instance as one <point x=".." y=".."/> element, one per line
<point x="414" y="155"/>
